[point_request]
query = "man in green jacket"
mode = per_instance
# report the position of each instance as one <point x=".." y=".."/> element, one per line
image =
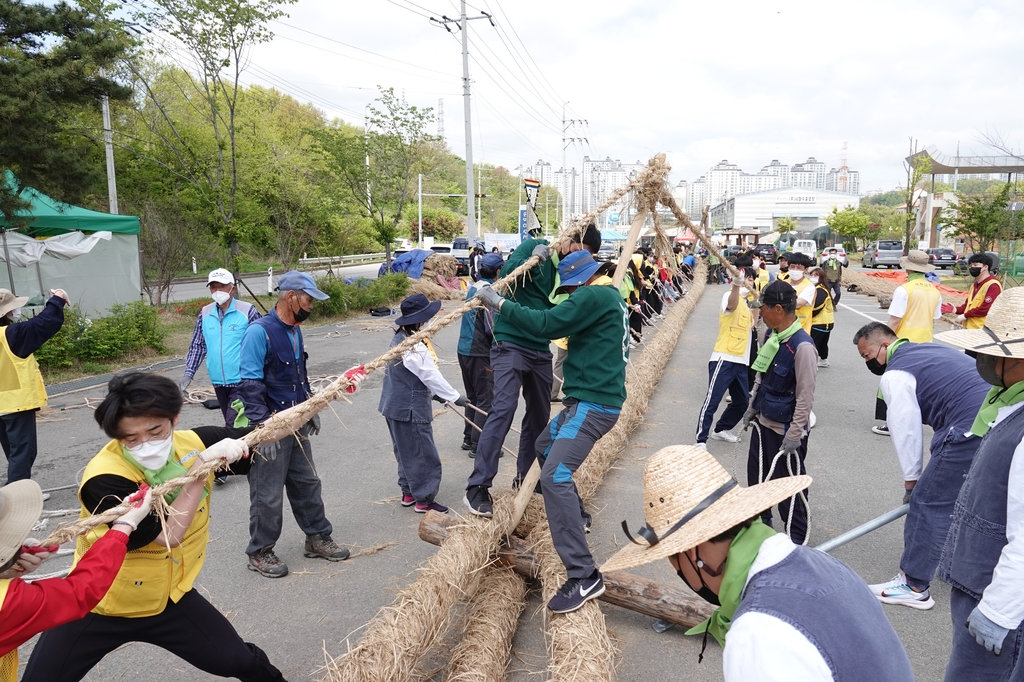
<point x="596" y="320"/>
<point x="521" y="361"/>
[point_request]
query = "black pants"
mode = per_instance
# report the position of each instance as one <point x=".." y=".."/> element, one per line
<point x="837" y="291"/>
<point x="18" y="438"/>
<point x="764" y="445"/>
<point x="820" y="334"/>
<point x="478" y="379"/>
<point x="751" y="374"/>
<point x="192" y="629"/>
<point x="636" y="324"/>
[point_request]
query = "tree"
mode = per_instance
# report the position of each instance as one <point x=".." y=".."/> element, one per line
<point x="378" y="168"/>
<point x="848" y="223"/>
<point x="441" y="224"/>
<point x="786" y="225"/>
<point x="167" y="243"/>
<point x="917" y="168"/>
<point x="50" y="62"/>
<point x="979" y="219"/>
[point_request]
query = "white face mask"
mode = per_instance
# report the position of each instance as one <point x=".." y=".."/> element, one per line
<point x="814" y="280"/>
<point x="744" y="292"/>
<point x="796" y="274"/>
<point x="757" y="264"/>
<point x="221" y="297"/>
<point x="152" y="454"/>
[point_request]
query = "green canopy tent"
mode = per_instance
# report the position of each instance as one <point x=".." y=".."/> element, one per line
<point x="93" y="256"/>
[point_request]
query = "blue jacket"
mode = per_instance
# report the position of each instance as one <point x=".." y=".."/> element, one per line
<point x="475" y="335"/>
<point x="218" y="336"/>
<point x="273" y="368"/>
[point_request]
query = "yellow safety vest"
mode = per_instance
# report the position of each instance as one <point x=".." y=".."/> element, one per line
<point x="827" y="313"/>
<point x="784" y="276"/>
<point x="21" y="384"/>
<point x="804" y="313"/>
<point x="150" y="575"/>
<point x="975" y="301"/>
<point x="917" y="322"/>
<point x="9" y="661"/>
<point x="762" y="280"/>
<point x="734" y="330"/>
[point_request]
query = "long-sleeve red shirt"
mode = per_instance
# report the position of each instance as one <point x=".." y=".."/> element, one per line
<point x="31" y="608"/>
<point x="990" y="296"/>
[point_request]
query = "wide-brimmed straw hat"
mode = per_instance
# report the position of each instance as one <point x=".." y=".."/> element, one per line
<point x="21" y="503"/>
<point x="9" y="302"/>
<point x="916" y="261"/>
<point x="690" y="498"/>
<point x="1003" y="333"/>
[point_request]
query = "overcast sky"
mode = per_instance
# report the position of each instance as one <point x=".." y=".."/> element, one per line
<point x="743" y="80"/>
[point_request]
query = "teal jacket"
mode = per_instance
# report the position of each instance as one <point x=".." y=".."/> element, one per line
<point x="596" y="321"/>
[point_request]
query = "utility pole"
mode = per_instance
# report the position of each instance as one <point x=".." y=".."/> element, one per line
<point x="419" y="244"/>
<point x="108" y="143"/>
<point x="366" y="148"/>
<point x="462" y="22"/>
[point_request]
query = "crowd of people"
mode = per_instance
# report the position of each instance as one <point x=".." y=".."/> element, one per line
<point x="790" y="612"/>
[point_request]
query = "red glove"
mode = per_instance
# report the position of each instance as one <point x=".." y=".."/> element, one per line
<point x="136" y="497"/>
<point x="947" y="308"/>
<point x="38" y="549"/>
<point x="355" y="377"/>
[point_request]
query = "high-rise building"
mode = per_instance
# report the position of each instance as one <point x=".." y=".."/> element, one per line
<point x="696" y="193"/>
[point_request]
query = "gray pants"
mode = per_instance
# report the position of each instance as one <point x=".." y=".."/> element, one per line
<point x="291" y="472"/>
<point x="562" y="447"/>
<point x="419" y="466"/>
<point x="559" y="379"/>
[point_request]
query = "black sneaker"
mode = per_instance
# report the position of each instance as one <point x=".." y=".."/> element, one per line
<point x="588" y="521"/>
<point x="576" y="592"/>
<point x="220" y="480"/>
<point x="321" y="546"/>
<point x="472" y="454"/>
<point x="516" y="482"/>
<point x="266" y="563"/>
<point x="467" y="444"/>
<point x="478" y="499"/>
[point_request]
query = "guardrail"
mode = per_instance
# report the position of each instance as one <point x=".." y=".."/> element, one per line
<point x="343" y="260"/>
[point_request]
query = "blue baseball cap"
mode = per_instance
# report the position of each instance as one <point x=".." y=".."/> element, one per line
<point x="492" y="260"/>
<point x="576" y="268"/>
<point x="293" y="280"/>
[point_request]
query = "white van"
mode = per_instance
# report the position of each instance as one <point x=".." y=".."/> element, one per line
<point x="808" y="247"/>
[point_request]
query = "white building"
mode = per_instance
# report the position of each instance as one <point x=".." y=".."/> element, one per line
<point x="696" y="195"/>
<point x="761" y="210"/>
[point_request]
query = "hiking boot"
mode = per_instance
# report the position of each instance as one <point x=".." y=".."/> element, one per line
<point x="897" y="591"/>
<point x="576" y="592"/>
<point x="408" y="500"/>
<point x="882" y="430"/>
<point x="321" y="546"/>
<point x="478" y="499"/>
<point x="727" y="436"/>
<point x="431" y="506"/>
<point x="467" y="444"/>
<point x="266" y="563"/>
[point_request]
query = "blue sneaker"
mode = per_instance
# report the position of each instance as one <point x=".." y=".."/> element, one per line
<point x="576" y="592"/>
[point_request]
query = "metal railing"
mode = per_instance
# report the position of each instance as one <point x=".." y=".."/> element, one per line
<point x="342" y="260"/>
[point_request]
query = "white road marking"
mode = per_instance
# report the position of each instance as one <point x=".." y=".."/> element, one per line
<point x="854" y="310"/>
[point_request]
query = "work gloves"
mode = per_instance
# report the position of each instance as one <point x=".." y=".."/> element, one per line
<point x="183" y="384"/>
<point x="542" y="251"/>
<point x="355" y="377"/>
<point x="229" y="450"/>
<point x="748" y="417"/>
<point x="906" y="495"/>
<point x="960" y="319"/>
<point x="141" y="503"/>
<point x="314" y="425"/>
<point x="985" y="632"/>
<point x="790" y="447"/>
<point x="491" y="299"/>
<point x="461" y="401"/>
<point x="268" y="451"/>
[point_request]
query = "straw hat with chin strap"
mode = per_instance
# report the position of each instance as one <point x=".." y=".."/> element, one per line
<point x="9" y="302"/>
<point x="916" y="261"/>
<point x="21" y="503"/>
<point x="690" y="498"/>
<point x="1003" y="333"/>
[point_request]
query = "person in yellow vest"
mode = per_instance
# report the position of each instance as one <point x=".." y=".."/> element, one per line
<point x="798" y="264"/>
<point x="985" y="289"/>
<point x="823" y="315"/>
<point x="21" y="385"/>
<point x="727" y="368"/>
<point x="151" y="599"/>
<point x="917" y="304"/>
<point x="784" y="259"/>
<point x="28" y="608"/>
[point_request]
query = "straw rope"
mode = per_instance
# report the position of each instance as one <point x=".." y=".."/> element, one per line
<point x="700" y="233"/>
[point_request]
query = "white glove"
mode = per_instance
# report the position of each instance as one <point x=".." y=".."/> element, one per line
<point x="61" y="293"/>
<point x="960" y="319"/>
<point x="229" y="450"/>
<point x="139" y="511"/>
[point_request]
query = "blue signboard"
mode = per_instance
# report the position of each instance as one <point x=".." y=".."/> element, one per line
<point x="522" y="221"/>
<point x="613" y="218"/>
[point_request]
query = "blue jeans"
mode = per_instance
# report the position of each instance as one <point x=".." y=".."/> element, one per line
<point x="931" y="507"/>
<point x="291" y="472"/>
<point x="723" y="376"/>
<point x="969" y="660"/>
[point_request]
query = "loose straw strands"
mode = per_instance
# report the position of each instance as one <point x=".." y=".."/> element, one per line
<point x="669" y="202"/>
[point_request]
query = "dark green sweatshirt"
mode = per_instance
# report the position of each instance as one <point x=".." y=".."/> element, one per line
<point x="597" y="323"/>
<point x="531" y="291"/>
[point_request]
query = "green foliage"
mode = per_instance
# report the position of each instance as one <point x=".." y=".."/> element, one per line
<point x="441" y="224"/>
<point x="892" y="199"/>
<point x="361" y="295"/>
<point x="980" y="219"/>
<point x="849" y="223"/>
<point x="128" y="327"/>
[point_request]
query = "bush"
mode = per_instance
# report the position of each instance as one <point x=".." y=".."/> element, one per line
<point x="441" y="224"/>
<point x="128" y="327"/>
<point x="361" y="294"/>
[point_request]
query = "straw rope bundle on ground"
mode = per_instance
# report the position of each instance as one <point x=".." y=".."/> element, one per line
<point x="882" y="288"/>
<point x="434" y="291"/>
<point x="440" y="264"/>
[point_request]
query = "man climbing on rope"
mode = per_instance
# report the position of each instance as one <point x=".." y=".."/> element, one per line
<point x="916" y="394"/>
<point x="595" y="319"/>
<point x="781" y="403"/>
<point x="521" y="361"/>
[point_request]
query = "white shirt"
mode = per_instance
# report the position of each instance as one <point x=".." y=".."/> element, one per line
<point x="903" y="415"/>
<point x="804" y="290"/>
<point x="715" y="357"/>
<point x="419" y="361"/>
<point x="1002" y="602"/>
<point x="763" y="648"/>
<point x="900" y="297"/>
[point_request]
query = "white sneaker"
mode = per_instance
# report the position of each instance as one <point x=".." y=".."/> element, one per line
<point x="727" y="436"/>
<point x="823" y="363"/>
<point x="896" y="591"/>
<point x="702" y="446"/>
<point x="46" y="496"/>
<point x="728" y="398"/>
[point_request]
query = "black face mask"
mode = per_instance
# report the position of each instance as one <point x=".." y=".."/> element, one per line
<point x="301" y="315"/>
<point x="874" y="366"/>
<point x="986" y="365"/>
<point x="974" y="271"/>
<point x="783" y="268"/>
<point x="704" y="592"/>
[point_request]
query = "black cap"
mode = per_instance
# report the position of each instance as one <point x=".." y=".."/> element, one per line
<point x="776" y="293"/>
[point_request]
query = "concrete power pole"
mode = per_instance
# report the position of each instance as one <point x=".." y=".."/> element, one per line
<point x="108" y="143"/>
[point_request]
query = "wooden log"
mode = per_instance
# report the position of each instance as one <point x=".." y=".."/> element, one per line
<point x="622" y="589"/>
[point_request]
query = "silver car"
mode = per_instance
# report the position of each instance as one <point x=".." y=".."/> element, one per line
<point x="885" y="252"/>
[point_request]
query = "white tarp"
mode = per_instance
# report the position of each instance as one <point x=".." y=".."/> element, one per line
<point x="25" y="251"/>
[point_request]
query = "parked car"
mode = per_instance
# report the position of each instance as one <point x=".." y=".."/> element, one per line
<point x="607" y="252"/>
<point x="460" y="250"/>
<point x="841" y="255"/>
<point x="885" y="252"/>
<point x="942" y="258"/>
<point x="807" y="247"/>
<point x="449" y="249"/>
<point x="962" y="268"/>
<point x="768" y="253"/>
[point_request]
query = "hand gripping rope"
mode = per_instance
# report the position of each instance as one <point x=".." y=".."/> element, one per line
<point x="793" y="465"/>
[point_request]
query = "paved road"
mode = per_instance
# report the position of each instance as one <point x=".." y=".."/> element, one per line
<point x="189" y="290"/>
<point x="297" y="618"/>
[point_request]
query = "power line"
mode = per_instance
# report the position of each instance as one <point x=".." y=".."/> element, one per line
<point x="425" y="16"/>
<point x="537" y="116"/>
<point x="526" y="84"/>
<point x="525" y="49"/>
